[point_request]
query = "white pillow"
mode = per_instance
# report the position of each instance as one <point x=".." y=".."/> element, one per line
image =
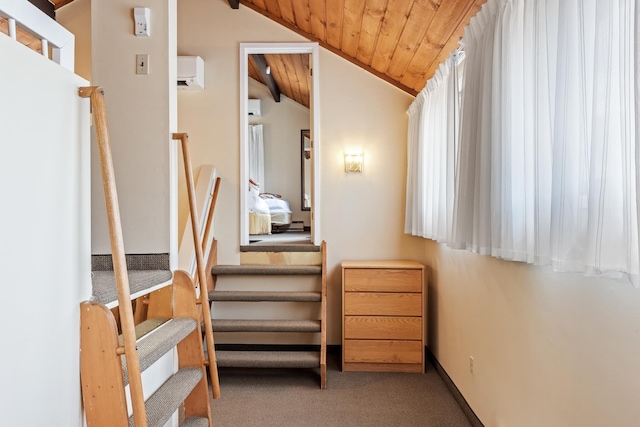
<point x="255" y="203"/>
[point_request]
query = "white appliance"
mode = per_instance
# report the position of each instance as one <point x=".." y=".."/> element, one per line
<point x="253" y="107"/>
<point x="190" y="72"/>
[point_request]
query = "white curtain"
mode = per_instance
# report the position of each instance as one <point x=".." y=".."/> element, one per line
<point x="548" y="136"/>
<point x="546" y="167"/>
<point x="256" y="155"/>
<point x="432" y="145"/>
<point x="503" y="193"/>
<point x="594" y="217"/>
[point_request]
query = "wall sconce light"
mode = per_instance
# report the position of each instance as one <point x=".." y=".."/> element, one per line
<point x="353" y="162"/>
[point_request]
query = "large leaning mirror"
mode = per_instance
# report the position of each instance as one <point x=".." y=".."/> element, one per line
<point x="303" y="58"/>
<point x="305" y="170"/>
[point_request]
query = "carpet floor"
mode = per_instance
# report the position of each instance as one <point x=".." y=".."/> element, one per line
<point x="292" y="398"/>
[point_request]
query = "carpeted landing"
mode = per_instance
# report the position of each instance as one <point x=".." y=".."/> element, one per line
<point x="292" y="398"/>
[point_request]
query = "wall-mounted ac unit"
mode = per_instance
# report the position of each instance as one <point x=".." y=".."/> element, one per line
<point x="190" y="72"/>
<point x="253" y="107"/>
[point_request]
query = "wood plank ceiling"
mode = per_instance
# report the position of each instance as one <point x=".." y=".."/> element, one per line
<point x="290" y="73"/>
<point x="400" y="41"/>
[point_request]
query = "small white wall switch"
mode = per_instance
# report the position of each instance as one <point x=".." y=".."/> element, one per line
<point x="142" y="18"/>
<point x="142" y="64"/>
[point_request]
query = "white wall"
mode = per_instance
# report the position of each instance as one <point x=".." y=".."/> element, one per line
<point x="361" y="214"/>
<point x="76" y="17"/>
<point x="45" y="251"/>
<point x="141" y="115"/>
<point x="282" y="122"/>
<point x="141" y="118"/>
<point x="550" y="349"/>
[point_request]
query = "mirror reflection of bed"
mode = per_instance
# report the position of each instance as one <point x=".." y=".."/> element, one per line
<point x="278" y="124"/>
<point x="270" y="220"/>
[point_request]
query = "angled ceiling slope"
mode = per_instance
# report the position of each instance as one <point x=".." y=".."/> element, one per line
<point x="401" y="41"/>
<point x="288" y="73"/>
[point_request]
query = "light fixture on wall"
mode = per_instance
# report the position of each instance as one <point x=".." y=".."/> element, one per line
<point x="353" y="162"/>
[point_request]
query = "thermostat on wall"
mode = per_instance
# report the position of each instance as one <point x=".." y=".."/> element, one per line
<point x="142" y="18"/>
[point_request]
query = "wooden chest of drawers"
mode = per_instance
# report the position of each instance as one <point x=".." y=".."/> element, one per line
<point x="383" y="307"/>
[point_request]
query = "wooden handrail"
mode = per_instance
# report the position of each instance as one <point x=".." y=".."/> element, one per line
<point x="96" y="95"/>
<point x="205" y="238"/>
<point x="212" y="250"/>
<point x="207" y="227"/>
<point x="202" y="275"/>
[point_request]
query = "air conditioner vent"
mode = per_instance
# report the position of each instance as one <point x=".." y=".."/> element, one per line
<point x="190" y="72"/>
<point x="253" y="108"/>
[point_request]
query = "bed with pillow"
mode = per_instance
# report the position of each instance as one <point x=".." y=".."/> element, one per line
<point x="267" y="211"/>
<point x="259" y="216"/>
<point x="259" y="223"/>
<point x="278" y="209"/>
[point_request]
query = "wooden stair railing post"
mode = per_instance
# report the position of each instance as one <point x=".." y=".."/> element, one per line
<point x="96" y="95"/>
<point x="190" y="349"/>
<point x="207" y="227"/>
<point x="202" y="276"/>
<point x="211" y="261"/>
<point x="212" y="256"/>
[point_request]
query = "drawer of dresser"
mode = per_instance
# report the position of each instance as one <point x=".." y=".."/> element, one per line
<point x="382" y="351"/>
<point x="382" y="280"/>
<point x="382" y="304"/>
<point x="375" y="327"/>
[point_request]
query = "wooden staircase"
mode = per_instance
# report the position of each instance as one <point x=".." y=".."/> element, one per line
<point x="112" y="365"/>
<point x="278" y="358"/>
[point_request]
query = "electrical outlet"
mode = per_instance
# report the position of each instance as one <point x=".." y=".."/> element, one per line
<point x="142" y="64"/>
<point x="471" y="364"/>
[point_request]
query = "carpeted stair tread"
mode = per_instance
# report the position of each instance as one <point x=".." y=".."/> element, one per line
<point x="258" y="296"/>
<point x="195" y="422"/>
<point x="145" y="327"/>
<point x="166" y="400"/>
<point x="268" y="359"/>
<point x="266" y="270"/>
<point x="256" y="325"/>
<point x="154" y="345"/>
<point x="104" y="283"/>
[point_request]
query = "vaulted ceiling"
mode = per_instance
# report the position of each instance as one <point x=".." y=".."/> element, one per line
<point x="400" y="41"/>
<point x="289" y="73"/>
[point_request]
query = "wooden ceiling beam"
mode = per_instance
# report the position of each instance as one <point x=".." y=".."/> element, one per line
<point x="261" y="63"/>
<point x="330" y="48"/>
<point x="46" y="6"/>
<point x="235" y="4"/>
